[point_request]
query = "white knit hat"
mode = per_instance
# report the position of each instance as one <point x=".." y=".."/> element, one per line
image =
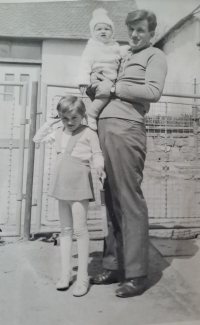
<point x="100" y="17"/>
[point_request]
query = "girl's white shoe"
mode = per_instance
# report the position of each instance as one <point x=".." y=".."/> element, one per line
<point x="81" y="287"/>
<point x="64" y="283"/>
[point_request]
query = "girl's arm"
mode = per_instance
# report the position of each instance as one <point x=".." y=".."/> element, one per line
<point x="97" y="156"/>
<point x="46" y="134"/>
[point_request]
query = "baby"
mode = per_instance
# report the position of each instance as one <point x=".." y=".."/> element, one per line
<point x="102" y="54"/>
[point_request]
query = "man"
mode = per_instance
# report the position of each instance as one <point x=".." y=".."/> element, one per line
<point x="122" y="136"/>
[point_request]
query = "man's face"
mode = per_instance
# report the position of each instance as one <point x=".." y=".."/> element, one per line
<point x="139" y="35"/>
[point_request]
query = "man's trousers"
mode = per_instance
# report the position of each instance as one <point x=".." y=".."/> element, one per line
<point x="123" y="143"/>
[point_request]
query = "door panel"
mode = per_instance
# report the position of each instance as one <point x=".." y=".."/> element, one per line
<point x="10" y="112"/>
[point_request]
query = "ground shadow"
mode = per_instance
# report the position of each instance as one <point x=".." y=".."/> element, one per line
<point x="158" y="250"/>
<point x="46" y="238"/>
<point x="157" y="264"/>
<point x="161" y="248"/>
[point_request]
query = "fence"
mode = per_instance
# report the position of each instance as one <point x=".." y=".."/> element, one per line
<point x="12" y="151"/>
<point x="171" y="177"/>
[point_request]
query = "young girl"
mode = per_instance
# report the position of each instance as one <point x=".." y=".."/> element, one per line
<point x="71" y="184"/>
<point x="102" y="54"/>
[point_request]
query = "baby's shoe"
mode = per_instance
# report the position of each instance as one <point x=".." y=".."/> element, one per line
<point x="64" y="283"/>
<point x="92" y="123"/>
<point x="81" y="287"/>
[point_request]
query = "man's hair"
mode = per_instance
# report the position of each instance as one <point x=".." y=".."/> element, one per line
<point x="71" y="103"/>
<point x="142" y="15"/>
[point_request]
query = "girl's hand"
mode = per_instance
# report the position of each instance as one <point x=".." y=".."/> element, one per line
<point x="53" y="121"/>
<point x="101" y="173"/>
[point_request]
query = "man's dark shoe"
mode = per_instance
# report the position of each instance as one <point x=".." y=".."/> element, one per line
<point x="133" y="287"/>
<point x="107" y="277"/>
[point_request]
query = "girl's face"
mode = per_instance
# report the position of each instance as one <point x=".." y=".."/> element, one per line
<point x="71" y="120"/>
<point x="103" y="32"/>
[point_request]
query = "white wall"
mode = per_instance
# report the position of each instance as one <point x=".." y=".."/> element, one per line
<point x="60" y="60"/>
<point x="183" y="55"/>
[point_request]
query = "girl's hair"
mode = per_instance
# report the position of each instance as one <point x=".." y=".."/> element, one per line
<point x="141" y="15"/>
<point x="71" y="103"/>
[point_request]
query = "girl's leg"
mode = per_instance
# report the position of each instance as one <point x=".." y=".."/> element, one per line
<point x="79" y="213"/>
<point x="66" y="222"/>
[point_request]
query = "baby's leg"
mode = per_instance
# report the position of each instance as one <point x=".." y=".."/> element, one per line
<point x="79" y="212"/>
<point x="94" y="110"/>
<point x="66" y="221"/>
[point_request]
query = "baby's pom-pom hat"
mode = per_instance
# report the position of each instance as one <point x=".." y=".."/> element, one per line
<point x="100" y="17"/>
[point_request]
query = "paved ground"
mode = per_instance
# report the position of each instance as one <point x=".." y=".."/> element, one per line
<point x="29" y="271"/>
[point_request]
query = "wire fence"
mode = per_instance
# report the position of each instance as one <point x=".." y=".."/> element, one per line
<point x="171" y="182"/>
<point x="7" y="157"/>
<point x="171" y="176"/>
<point x="13" y="157"/>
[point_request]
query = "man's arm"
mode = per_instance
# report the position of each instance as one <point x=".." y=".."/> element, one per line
<point x="151" y="91"/>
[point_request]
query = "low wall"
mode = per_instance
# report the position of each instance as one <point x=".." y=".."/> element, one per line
<point x="174" y="146"/>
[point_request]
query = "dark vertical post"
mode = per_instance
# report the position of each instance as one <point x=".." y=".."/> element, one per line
<point x="31" y="156"/>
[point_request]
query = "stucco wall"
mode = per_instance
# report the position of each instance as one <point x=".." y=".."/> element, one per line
<point x="60" y="60"/>
<point x="183" y="55"/>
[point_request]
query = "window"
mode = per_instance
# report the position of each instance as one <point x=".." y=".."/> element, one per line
<point x="24" y="78"/>
<point x="8" y="90"/>
<point x="20" y="50"/>
<point x="4" y="50"/>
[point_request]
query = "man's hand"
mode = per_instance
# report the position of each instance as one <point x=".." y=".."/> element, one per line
<point x="102" y="87"/>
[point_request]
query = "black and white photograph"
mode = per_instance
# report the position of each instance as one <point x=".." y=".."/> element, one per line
<point x="100" y="162"/>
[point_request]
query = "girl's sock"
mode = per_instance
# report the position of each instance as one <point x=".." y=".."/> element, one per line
<point x="79" y="212"/>
<point x="65" y="250"/>
<point x="82" y="284"/>
<point x="82" y="237"/>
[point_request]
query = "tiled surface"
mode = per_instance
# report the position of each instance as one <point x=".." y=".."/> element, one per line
<point x="69" y="19"/>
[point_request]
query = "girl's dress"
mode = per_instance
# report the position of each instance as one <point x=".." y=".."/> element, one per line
<point x="71" y="178"/>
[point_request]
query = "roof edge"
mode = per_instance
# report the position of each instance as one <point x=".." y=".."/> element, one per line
<point x="181" y="22"/>
<point x="162" y="39"/>
<point x="43" y="38"/>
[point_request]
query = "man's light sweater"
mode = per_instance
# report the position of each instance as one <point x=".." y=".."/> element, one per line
<point x="140" y="82"/>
